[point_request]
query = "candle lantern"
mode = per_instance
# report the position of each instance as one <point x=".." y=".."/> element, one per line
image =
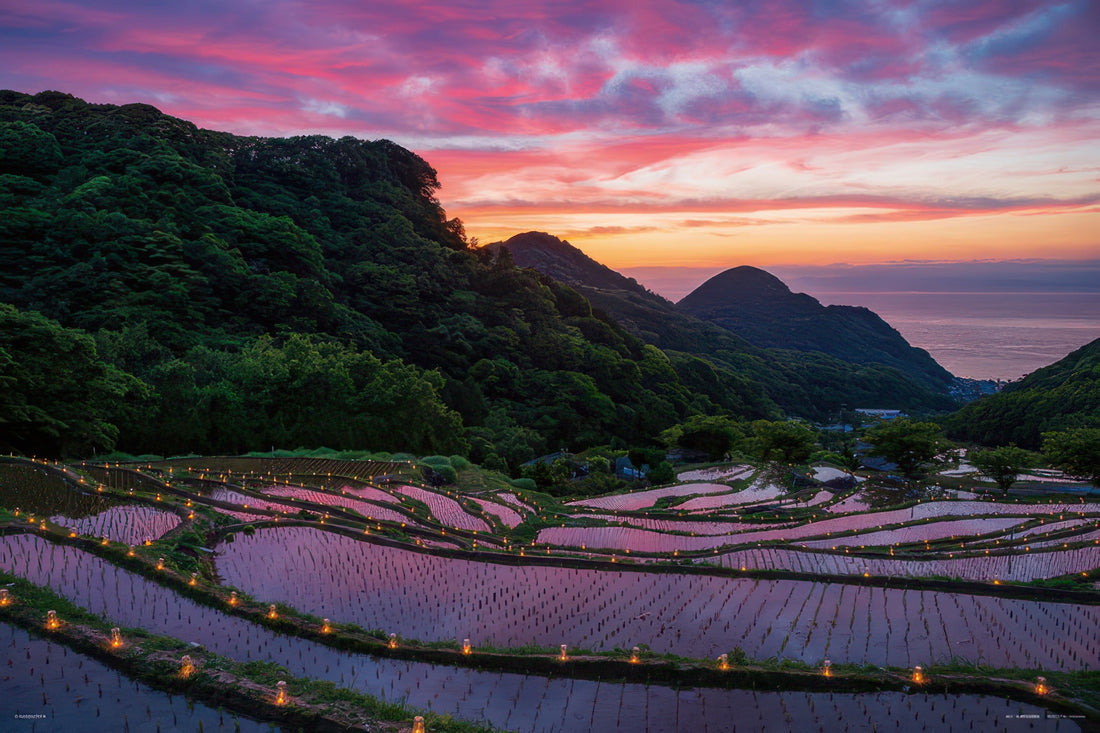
<point x="186" y="666"/>
<point x="562" y="656"/>
<point x="52" y="622"/>
<point x="635" y="655"/>
<point x="280" y="693"/>
<point x="465" y="646"/>
<point x="418" y="724"/>
<point x="723" y="662"/>
<point x="232" y="598"/>
<point x="271" y="611"/>
<point x="393" y="641"/>
<point x="325" y="627"/>
<point x="5" y="597"/>
<point x="826" y="668"/>
<point x="194" y="579"/>
<point x="160" y="563"/>
<point x="918" y="675"/>
<point x="1041" y="686"/>
<point x="116" y="638"/>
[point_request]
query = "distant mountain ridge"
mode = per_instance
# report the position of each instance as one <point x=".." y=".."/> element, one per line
<point x="809" y="383"/>
<point x="760" y="308"/>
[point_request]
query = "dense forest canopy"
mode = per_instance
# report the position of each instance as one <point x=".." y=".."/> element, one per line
<point x="237" y="292"/>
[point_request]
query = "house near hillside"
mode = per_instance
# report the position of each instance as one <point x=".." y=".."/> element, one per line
<point x="881" y="414"/>
<point x="624" y="469"/>
<point x="686" y="455"/>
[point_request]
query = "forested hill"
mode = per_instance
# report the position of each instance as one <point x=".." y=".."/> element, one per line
<point x="808" y="383"/>
<point x="173" y="289"/>
<point x="1061" y="396"/>
<point x="760" y="308"/>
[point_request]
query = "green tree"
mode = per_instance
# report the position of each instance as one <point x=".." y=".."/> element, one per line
<point x="661" y="474"/>
<point x="1002" y="464"/>
<point x="57" y="396"/>
<point x="1075" y="451"/>
<point x="781" y="441"/>
<point x="716" y="435"/>
<point x="908" y="443"/>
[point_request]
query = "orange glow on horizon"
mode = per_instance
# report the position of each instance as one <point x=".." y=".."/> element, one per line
<point x="802" y="237"/>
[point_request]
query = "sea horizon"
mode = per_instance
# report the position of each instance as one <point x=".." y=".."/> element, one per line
<point x="967" y="316"/>
<point x="983" y="335"/>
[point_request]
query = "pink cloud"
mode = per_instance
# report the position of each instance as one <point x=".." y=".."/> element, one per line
<point x="612" y="105"/>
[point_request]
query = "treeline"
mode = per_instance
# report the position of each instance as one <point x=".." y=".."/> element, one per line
<point x="227" y="293"/>
<point x="63" y="395"/>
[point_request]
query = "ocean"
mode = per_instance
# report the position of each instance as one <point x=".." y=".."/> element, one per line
<point x="985" y="335"/>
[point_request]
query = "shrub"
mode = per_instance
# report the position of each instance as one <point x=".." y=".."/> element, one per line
<point x="525" y="484"/>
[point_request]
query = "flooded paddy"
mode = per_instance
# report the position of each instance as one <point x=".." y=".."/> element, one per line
<point x="508" y="701"/>
<point x="57" y="689"/>
<point x="432" y="598"/>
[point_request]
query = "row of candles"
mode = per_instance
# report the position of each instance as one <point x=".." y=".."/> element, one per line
<point x="53" y="623"/>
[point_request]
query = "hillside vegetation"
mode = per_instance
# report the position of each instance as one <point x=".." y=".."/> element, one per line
<point x="866" y="364"/>
<point x="242" y="292"/>
<point x="1062" y="396"/>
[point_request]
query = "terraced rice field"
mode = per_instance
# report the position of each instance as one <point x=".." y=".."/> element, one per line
<point x="508" y="516"/>
<point x="437" y="586"/>
<point x="446" y="510"/>
<point x="681" y="526"/>
<point x="1020" y="568"/>
<point x="509" y="701"/>
<point x="923" y="532"/>
<point x="127" y="524"/>
<point x="73" y="692"/>
<point x="820" y="532"/>
<point x="643" y="499"/>
<point x="755" y="494"/>
<point x="367" y="509"/>
<point x="427" y="597"/>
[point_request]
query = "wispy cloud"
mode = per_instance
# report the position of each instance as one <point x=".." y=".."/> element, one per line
<point x="881" y="112"/>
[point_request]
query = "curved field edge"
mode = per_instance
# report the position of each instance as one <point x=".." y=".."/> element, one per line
<point x="1073" y="587"/>
<point x="665" y="669"/>
<point x="248" y="687"/>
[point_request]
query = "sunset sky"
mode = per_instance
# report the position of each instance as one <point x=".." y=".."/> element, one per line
<point x="704" y="134"/>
